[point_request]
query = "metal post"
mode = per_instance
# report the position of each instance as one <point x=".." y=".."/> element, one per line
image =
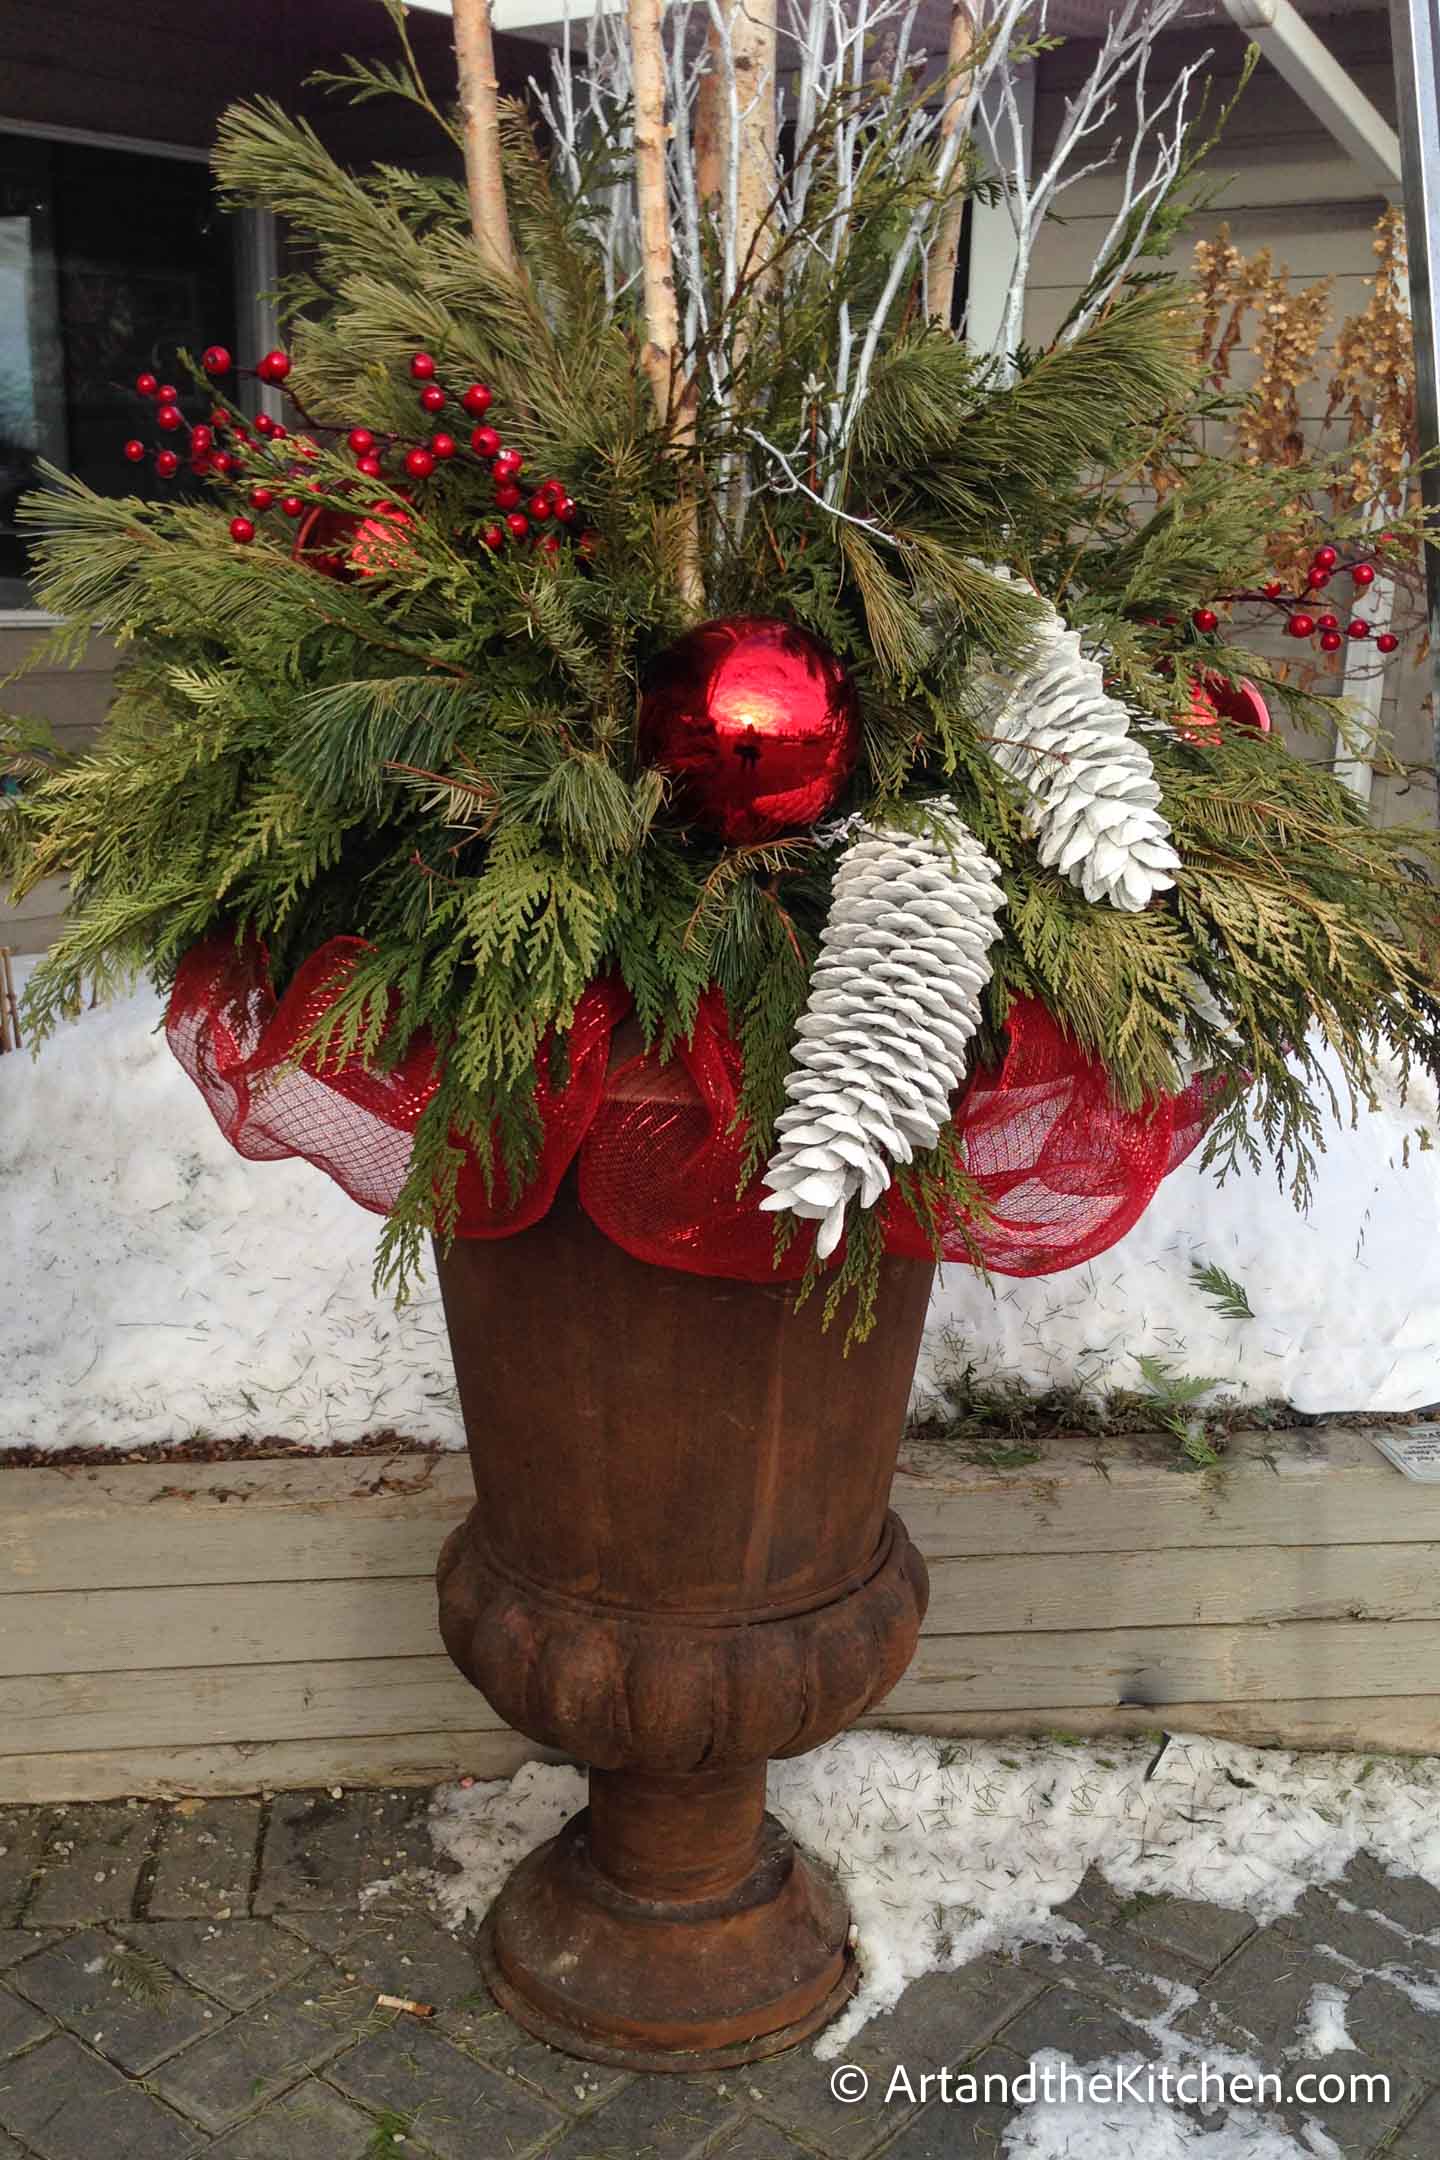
<point x="1415" y="26"/>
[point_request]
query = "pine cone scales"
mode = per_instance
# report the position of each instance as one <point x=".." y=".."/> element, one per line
<point x="1096" y="800"/>
<point x="894" y="1003"/>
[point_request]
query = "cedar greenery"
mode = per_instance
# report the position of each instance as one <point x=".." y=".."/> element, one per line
<point x="441" y="759"/>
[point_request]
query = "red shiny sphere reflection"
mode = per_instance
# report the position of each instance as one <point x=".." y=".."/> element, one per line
<point x="757" y="723"/>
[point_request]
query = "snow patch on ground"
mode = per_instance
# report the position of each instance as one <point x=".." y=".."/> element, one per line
<point x="154" y="1285"/>
<point x="1323" y="2030"/>
<point x="1140" y="2130"/>
<point x="948" y="1849"/>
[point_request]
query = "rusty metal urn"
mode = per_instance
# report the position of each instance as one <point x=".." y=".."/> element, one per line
<point x="681" y="1562"/>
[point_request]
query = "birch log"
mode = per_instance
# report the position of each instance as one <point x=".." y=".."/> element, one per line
<point x="945" y="248"/>
<point x="480" y="115"/>
<point x="753" y="42"/>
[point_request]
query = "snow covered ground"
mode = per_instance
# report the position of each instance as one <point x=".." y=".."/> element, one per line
<point x="951" y="1849"/>
<point x="153" y="1285"/>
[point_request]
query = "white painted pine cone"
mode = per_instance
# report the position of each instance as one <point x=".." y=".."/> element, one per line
<point x="894" y="1001"/>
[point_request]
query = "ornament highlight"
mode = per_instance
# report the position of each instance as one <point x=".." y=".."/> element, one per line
<point x="894" y="1003"/>
<point x="757" y="722"/>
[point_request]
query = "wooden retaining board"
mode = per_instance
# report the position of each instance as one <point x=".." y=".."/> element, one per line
<point x="222" y="1627"/>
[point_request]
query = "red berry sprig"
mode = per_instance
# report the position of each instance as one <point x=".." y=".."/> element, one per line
<point x="1300" y="621"/>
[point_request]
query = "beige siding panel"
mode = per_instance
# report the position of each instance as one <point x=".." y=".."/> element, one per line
<point x="264" y="1766"/>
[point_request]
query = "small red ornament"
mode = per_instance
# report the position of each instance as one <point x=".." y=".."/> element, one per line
<point x="1300" y="626"/>
<point x="135" y="450"/>
<point x="494" y="537"/>
<point x="484" y="441"/>
<point x="1214" y="697"/>
<point x="215" y="360"/>
<point x="1358" y="628"/>
<point x="242" y="530"/>
<point x="167" y="464"/>
<point x="1273" y="588"/>
<point x="443" y="445"/>
<point x="517" y="524"/>
<point x="168" y="417"/>
<point x="1363" y="573"/>
<point x="422" y="366"/>
<point x="507" y="495"/>
<point x="419" y="464"/>
<point x="1331" y="641"/>
<point x="477" y="400"/>
<point x="147" y="384"/>
<point x="370" y="466"/>
<point x="360" y="440"/>
<point x="1327" y="622"/>
<point x="432" y="398"/>
<point x="758" y="723"/>
<point x="1326" y="558"/>
<point x="379" y="544"/>
<point x="1387" y="642"/>
<point x="274" y="367"/>
<point x="1205" y="619"/>
<point x="292" y="505"/>
<point x="261" y="498"/>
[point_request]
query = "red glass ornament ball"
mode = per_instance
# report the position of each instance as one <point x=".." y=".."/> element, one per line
<point x="419" y="464"/>
<point x="135" y="450"/>
<point x="167" y="464"/>
<point x="242" y="530"/>
<point x="147" y="384"/>
<point x="517" y="524"/>
<point x="1214" y="697"/>
<point x="493" y="536"/>
<point x="1326" y="558"/>
<point x="1363" y="573"/>
<point x="1331" y="641"/>
<point x="370" y="466"/>
<point x="1387" y="642"/>
<point x="757" y="722"/>
<point x="1327" y="622"/>
<point x="274" y="367"/>
<point x="477" y="400"/>
<point x="261" y="498"/>
<point x="292" y="505"/>
<point x="1206" y="619"/>
<point x="422" y="366"/>
<point x="484" y="442"/>
<point x="432" y="398"/>
<point x="443" y="445"/>
<point x="380" y="544"/>
<point x="1300" y="626"/>
<point x="1357" y="628"/>
<point x="168" y="417"/>
<point x="215" y="360"/>
<point x="360" y="439"/>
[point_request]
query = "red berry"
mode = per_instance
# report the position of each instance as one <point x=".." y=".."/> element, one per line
<point x="1331" y="641"/>
<point x="215" y="360"/>
<point x="507" y="495"/>
<point x="422" y="366"/>
<point x="509" y="465"/>
<point x="274" y="367"/>
<point x="242" y="530"/>
<point x="278" y="433"/>
<point x="549" y="543"/>
<point x="484" y="442"/>
<point x="360" y="440"/>
<point x="168" y="416"/>
<point x="1357" y="629"/>
<point x="147" y="384"/>
<point x="264" y="425"/>
<point x="517" y="524"/>
<point x="292" y="505"/>
<point x="261" y="498"/>
<point x="1315" y="577"/>
<point x="1206" y="619"/>
<point x="1300" y="626"/>
<point x="1363" y="573"/>
<point x="541" y="505"/>
<point x="1386" y="539"/>
<point x="1387" y="642"/>
<point x="134" y="450"/>
<point x="1273" y="588"/>
<point x="493" y="536"/>
<point x="443" y="445"/>
<point x="1326" y="558"/>
<point x="587" y="544"/>
<point x="201" y="439"/>
<point x="476" y="400"/>
<point x="567" y="510"/>
<point x="167" y="394"/>
<point x="1327" y="622"/>
<point x="225" y="463"/>
<point x="370" y="466"/>
<point x="419" y="464"/>
<point x="432" y="398"/>
<point x="219" y="418"/>
<point x="166" y="464"/>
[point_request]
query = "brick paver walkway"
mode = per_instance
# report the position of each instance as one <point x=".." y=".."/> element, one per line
<point x="201" y="1978"/>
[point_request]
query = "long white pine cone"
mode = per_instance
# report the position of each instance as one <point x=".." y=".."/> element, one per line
<point x="1094" y="796"/>
<point x="894" y="1001"/>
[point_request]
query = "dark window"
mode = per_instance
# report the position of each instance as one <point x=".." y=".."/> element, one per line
<point x="110" y="260"/>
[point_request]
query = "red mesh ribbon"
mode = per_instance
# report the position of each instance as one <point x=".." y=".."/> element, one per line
<point x="1065" y="1170"/>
